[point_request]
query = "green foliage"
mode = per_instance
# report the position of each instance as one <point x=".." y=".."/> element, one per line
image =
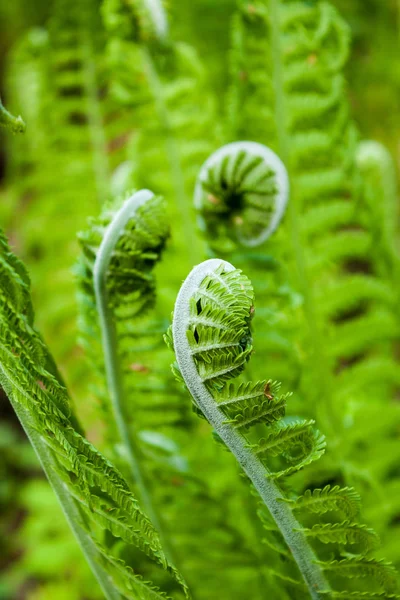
<point x="328" y="499"/>
<point x="94" y="496"/>
<point x="120" y="95"/>
<point x="241" y="193"/>
<point x="212" y="341"/>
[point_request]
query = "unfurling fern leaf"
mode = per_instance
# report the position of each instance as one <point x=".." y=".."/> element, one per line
<point x="101" y="510"/>
<point x="212" y="341"/>
<point x="120" y="250"/>
<point x="241" y="195"/>
<point x="345" y="534"/>
<point x="15" y="124"/>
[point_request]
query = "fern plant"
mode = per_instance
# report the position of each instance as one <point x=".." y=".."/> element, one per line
<point x="16" y="124"/>
<point x="118" y="304"/>
<point x="332" y="254"/>
<point x="116" y="98"/>
<point x="95" y="498"/>
<point x="212" y="341"/>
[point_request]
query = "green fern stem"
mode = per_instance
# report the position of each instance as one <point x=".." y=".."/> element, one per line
<point x="110" y="350"/>
<point x="252" y="466"/>
<point x="16" y="124"/>
<point x="67" y="503"/>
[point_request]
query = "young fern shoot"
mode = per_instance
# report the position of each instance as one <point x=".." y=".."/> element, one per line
<point x="123" y="287"/>
<point x="212" y="341"/>
<point x="104" y="515"/>
<point x="241" y="195"/>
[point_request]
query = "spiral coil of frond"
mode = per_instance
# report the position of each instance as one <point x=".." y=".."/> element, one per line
<point x="241" y="195"/>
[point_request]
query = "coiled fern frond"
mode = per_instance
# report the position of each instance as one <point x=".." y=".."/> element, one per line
<point x="136" y="248"/>
<point x="380" y="191"/>
<point x="144" y="20"/>
<point x="241" y="195"/>
<point x="212" y="341"/>
<point x="101" y="510"/>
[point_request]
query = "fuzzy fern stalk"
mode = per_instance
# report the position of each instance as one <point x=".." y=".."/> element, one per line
<point x="212" y="341"/>
<point x="241" y="193"/>
<point x="15" y="124"/>
<point x="129" y="248"/>
<point x="102" y="512"/>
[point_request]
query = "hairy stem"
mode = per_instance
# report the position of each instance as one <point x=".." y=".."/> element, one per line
<point x="252" y="466"/>
<point x="67" y="503"/>
<point x="110" y="350"/>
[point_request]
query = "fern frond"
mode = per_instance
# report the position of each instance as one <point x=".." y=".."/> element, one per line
<point x="232" y="293"/>
<point x="95" y="498"/>
<point x="329" y="499"/>
<point x="212" y="341"/>
<point x="379" y="181"/>
<point x="356" y="567"/>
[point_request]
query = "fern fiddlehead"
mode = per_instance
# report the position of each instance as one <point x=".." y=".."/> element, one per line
<point x="241" y="192"/>
<point x="379" y="178"/>
<point x="212" y="341"/>
<point x="95" y="498"/>
<point x="145" y="248"/>
<point x="191" y="334"/>
<point x="287" y="58"/>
